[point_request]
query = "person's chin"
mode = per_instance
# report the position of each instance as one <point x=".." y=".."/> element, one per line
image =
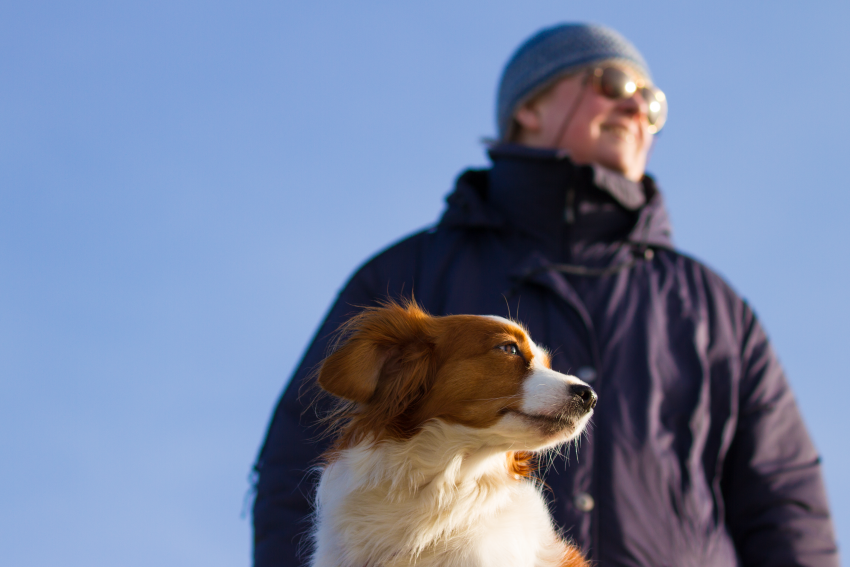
<point x="615" y="161"/>
<point x="620" y="157"/>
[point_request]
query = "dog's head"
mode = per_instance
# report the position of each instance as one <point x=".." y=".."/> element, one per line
<point x="401" y="368"/>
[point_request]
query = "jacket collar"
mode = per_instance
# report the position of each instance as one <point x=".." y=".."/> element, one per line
<point x="553" y="171"/>
<point x="547" y="196"/>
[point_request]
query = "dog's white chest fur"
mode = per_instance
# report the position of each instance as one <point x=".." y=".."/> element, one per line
<point x="426" y="502"/>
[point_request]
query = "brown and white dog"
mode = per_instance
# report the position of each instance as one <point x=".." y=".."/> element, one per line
<point x="432" y="460"/>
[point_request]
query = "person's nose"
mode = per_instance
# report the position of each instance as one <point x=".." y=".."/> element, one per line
<point x="634" y="105"/>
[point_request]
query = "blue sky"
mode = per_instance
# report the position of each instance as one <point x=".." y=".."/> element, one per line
<point x="184" y="187"/>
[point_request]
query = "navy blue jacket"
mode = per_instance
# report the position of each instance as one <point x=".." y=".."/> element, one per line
<point x="697" y="454"/>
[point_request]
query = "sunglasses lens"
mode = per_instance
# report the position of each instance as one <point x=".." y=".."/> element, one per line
<point x="656" y="108"/>
<point x="616" y="83"/>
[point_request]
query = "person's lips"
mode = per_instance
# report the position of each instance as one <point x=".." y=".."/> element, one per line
<point x="620" y="131"/>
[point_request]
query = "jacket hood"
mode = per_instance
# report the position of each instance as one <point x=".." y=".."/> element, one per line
<point x="547" y="196"/>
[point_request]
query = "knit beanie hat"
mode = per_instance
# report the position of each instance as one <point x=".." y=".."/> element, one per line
<point x="553" y="53"/>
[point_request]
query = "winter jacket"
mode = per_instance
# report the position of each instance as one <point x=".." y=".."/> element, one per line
<point x="697" y="454"/>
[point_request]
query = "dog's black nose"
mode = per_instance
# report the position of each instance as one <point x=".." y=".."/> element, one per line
<point x="586" y="394"/>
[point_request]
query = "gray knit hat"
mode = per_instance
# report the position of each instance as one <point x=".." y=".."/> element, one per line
<point x="552" y="53"/>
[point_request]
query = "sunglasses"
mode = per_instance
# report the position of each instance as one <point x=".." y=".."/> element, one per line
<point x="616" y="84"/>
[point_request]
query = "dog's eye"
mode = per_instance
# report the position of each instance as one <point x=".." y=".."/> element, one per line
<point x="509" y="348"/>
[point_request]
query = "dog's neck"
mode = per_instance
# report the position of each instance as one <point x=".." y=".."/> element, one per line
<point x="425" y="479"/>
<point x="440" y="457"/>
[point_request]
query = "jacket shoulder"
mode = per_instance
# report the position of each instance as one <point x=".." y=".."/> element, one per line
<point x="696" y="268"/>
<point x="702" y="287"/>
<point x="397" y="269"/>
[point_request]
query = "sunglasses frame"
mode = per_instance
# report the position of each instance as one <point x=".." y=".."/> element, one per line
<point x="651" y="94"/>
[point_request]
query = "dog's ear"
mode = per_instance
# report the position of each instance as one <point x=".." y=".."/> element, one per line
<point x="385" y="357"/>
<point x="353" y="370"/>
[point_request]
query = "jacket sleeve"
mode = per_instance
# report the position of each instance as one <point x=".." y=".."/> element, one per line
<point x="776" y="505"/>
<point x="284" y="481"/>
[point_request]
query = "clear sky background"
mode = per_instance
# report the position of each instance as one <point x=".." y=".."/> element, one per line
<point x="185" y="186"/>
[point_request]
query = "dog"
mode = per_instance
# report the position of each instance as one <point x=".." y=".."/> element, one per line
<point x="439" y="421"/>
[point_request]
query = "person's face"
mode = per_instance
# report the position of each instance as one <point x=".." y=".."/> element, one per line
<point x="611" y="133"/>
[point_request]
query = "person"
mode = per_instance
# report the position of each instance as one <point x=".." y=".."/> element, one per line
<point x="697" y="454"/>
